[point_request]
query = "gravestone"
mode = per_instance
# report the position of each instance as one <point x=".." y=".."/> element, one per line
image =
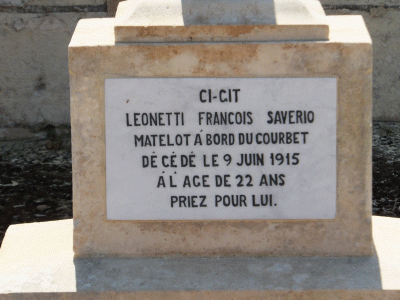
<point x="214" y="128"/>
<point x="221" y="128"/>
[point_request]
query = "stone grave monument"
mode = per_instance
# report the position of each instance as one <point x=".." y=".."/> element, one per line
<point x="221" y="128"/>
<point x="221" y="150"/>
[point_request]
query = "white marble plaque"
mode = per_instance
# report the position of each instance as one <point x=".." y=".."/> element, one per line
<point x="220" y="148"/>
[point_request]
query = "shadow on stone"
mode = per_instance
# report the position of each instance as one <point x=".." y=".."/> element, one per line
<point x="222" y="12"/>
<point x="212" y="274"/>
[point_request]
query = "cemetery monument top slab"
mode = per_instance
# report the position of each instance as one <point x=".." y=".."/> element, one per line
<point x="220" y="20"/>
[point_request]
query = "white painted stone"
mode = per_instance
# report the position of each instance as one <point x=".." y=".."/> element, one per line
<point x="38" y="258"/>
<point x="220" y="12"/>
<point x="149" y="176"/>
<point x="215" y="20"/>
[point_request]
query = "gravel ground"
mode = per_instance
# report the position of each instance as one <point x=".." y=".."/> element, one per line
<point x="36" y="177"/>
<point x="35" y="181"/>
<point x="386" y="169"/>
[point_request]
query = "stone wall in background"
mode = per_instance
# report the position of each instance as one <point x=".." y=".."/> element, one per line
<point x="383" y="22"/>
<point x="34" y="36"/>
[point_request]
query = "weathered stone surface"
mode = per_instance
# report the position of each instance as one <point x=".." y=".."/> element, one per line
<point x="383" y="24"/>
<point x="360" y="2"/>
<point x="21" y="56"/>
<point x="189" y="20"/>
<point x="21" y="3"/>
<point x="34" y="66"/>
<point x="37" y="263"/>
<point x="94" y="56"/>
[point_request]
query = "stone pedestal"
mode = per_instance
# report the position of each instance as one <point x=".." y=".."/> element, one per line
<point x="36" y="262"/>
<point x="138" y="44"/>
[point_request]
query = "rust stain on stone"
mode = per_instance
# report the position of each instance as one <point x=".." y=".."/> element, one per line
<point x="238" y="30"/>
<point x="234" y="59"/>
<point x="146" y="31"/>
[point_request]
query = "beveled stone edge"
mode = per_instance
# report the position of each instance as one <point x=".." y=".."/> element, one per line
<point x="17" y="260"/>
<point x="219" y="12"/>
<point x="170" y="21"/>
<point x="221" y="33"/>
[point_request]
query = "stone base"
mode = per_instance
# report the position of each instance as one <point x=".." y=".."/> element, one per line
<point x="95" y="57"/>
<point x="36" y="262"/>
